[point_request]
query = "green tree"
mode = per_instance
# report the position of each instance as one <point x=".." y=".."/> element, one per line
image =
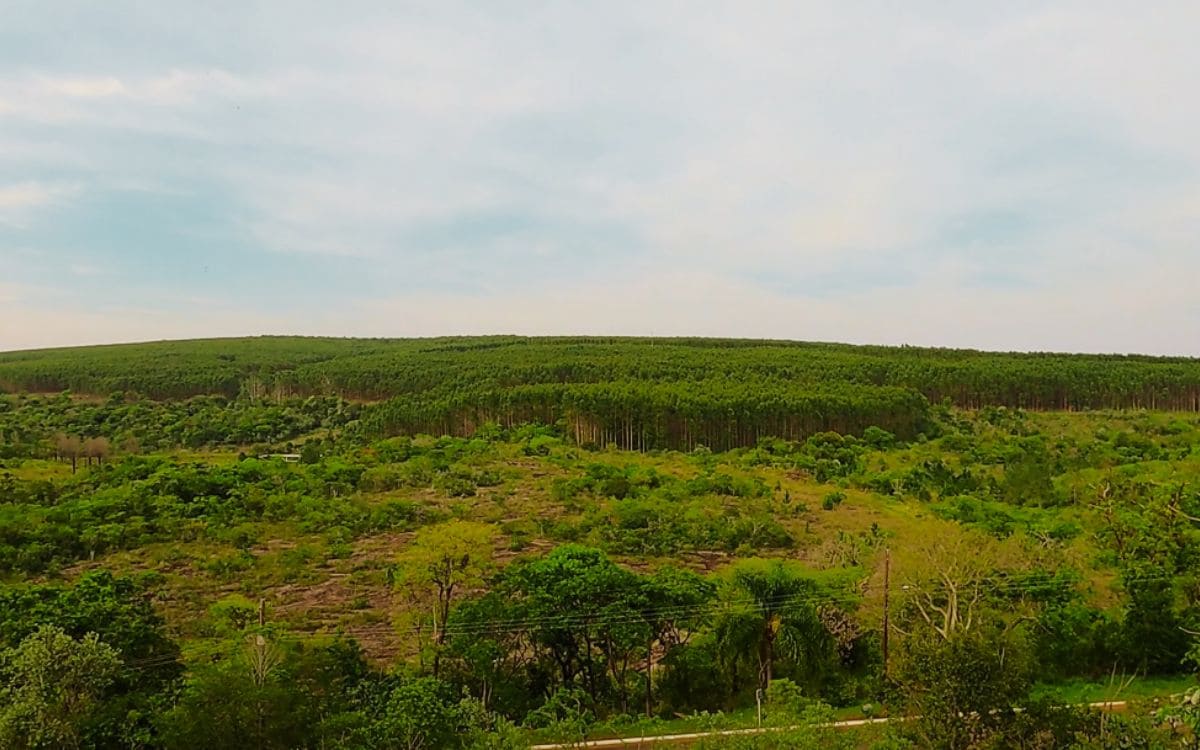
<point x="770" y="610"/>
<point x="963" y="687"/>
<point x="491" y="661"/>
<point x="949" y="579"/>
<point x="50" y="685"/>
<point x="584" y="611"/>
<point x="237" y="701"/>
<point x="119" y="610"/>
<point x="444" y="561"/>
<point x="257" y="693"/>
<point x="417" y="716"/>
<point x="673" y="606"/>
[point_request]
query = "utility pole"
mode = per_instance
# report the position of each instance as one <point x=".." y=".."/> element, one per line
<point x="650" y="678"/>
<point x="262" y="616"/>
<point x="887" y="574"/>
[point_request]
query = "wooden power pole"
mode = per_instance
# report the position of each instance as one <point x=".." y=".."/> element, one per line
<point x="887" y="574"/>
<point x="650" y="678"/>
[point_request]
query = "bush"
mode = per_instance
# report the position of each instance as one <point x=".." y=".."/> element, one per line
<point x="832" y="500"/>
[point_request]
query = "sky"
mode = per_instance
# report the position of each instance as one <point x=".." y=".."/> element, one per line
<point x="1015" y="176"/>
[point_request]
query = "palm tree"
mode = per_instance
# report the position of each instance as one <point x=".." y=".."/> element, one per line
<point x="771" y="610"/>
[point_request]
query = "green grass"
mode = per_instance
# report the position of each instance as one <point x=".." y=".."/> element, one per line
<point x="1075" y="692"/>
<point x="1117" y="688"/>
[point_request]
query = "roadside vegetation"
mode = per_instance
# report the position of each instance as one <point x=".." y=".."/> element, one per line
<point x="485" y="543"/>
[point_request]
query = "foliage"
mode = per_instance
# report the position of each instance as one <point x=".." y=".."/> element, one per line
<point x="117" y="610"/>
<point x="552" y="579"/>
<point x="50" y="685"/>
<point x="962" y="688"/>
<point x="374" y="368"/>
<point x="443" y="561"/>
<point x="771" y="613"/>
<point x="44" y="426"/>
<point x="635" y="393"/>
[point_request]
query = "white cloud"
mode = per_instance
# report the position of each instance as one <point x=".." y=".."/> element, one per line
<point x="19" y="201"/>
<point x="84" y="88"/>
<point x="85" y="269"/>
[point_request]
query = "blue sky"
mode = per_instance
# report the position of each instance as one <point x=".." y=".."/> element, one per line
<point x="1004" y="175"/>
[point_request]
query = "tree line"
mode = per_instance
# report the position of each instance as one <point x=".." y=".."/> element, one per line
<point x="643" y="416"/>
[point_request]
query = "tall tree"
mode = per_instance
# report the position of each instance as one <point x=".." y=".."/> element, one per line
<point x="953" y="575"/>
<point x="444" y="561"/>
<point x="770" y="609"/>
<point x="583" y="611"/>
<point x="673" y="605"/>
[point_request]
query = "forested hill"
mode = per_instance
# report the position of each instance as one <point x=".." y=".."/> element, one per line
<point x="637" y="392"/>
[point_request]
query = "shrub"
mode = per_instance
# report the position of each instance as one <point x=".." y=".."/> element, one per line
<point x="832" y="500"/>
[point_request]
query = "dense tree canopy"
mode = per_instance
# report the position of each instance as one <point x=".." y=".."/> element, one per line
<point x="637" y="393"/>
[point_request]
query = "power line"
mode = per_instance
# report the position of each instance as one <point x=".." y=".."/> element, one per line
<point x="1031" y="583"/>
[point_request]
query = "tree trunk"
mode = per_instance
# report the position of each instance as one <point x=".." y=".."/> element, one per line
<point x="766" y="656"/>
<point x="590" y="667"/>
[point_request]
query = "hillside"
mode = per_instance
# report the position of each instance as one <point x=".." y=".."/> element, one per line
<point x="531" y="522"/>
<point x="636" y="393"/>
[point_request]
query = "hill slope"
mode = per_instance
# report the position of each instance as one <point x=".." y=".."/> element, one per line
<point x="636" y="393"/>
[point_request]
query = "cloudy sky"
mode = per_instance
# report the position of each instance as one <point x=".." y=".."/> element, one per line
<point x="1017" y="175"/>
